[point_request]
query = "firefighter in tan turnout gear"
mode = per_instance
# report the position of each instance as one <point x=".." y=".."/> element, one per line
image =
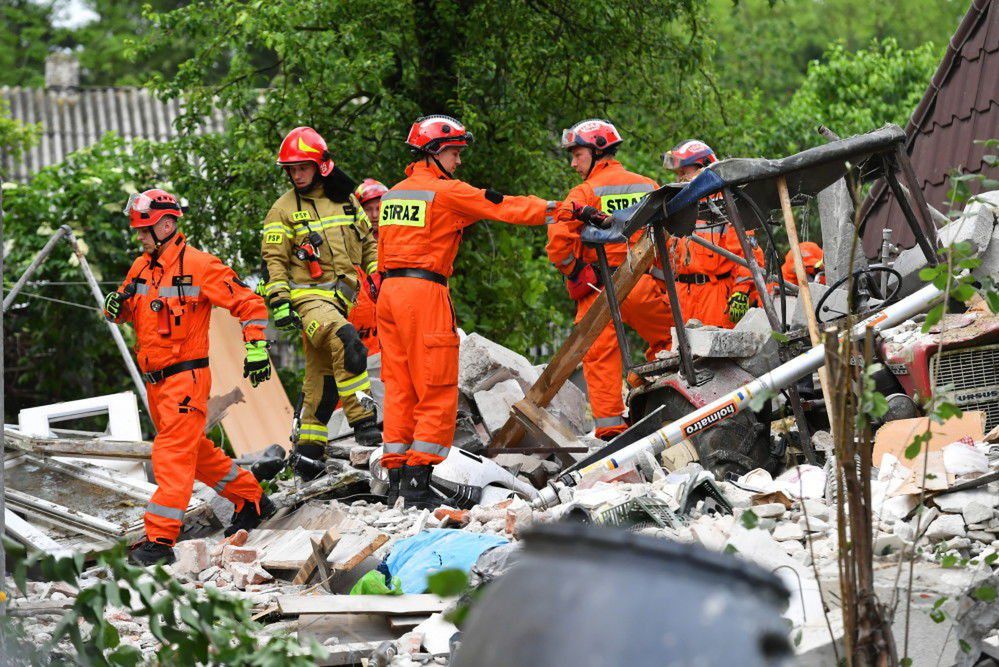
<point x="314" y="238"/>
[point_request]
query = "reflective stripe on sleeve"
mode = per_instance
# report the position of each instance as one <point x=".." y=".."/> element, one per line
<point x="606" y="422"/>
<point x="229" y="476"/>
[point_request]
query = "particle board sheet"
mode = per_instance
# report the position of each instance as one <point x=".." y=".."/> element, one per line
<point x="263" y="417"/>
<point x="283" y="549"/>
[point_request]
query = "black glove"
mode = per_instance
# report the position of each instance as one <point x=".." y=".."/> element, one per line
<point x="115" y="300"/>
<point x="591" y="216"/>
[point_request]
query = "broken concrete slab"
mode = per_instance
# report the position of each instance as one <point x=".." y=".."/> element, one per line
<point x="716" y="343"/>
<point x="836" y="306"/>
<point x="482" y="364"/>
<point x="990" y="254"/>
<point x="494" y="404"/>
<point x="945" y="527"/>
<point x="976" y="225"/>
<point x="838" y="232"/>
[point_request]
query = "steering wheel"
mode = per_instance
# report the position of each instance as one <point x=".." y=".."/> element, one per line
<point x="867" y="284"/>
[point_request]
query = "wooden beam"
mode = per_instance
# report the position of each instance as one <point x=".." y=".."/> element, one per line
<point x="326" y="545"/>
<point x="393" y="605"/>
<point x="804" y="291"/>
<point x="564" y="363"/>
<point x="539" y="423"/>
<point x="319" y="555"/>
<point x="81" y="447"/>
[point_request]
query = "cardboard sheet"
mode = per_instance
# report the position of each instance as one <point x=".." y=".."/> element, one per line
<point x="895" y="436"/>
<point x="263" y="416"/>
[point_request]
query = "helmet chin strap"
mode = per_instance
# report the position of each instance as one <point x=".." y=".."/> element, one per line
<point x="158" y="241"/>
<point x="593" y="161"/>
<point x="441" y="167"/>
<point x="307" y="188"/>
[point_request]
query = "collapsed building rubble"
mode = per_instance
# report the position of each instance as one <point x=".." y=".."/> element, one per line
<point x="337" y="565"/>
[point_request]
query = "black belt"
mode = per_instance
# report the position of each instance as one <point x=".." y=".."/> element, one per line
<point x="422" y="274"/>
<point x="152" y="377"/>
<point x="699" y="278"/>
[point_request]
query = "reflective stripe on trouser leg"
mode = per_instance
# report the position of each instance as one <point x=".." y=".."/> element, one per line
<point x="609" y="422"/>
<point x="394" y="455"/>
<point x="426" y="453"/>
<point x="352" y="385"/>
<point x="313" y="434"/>
<point x="218" y="471"/>
<point x="164" y="511"/>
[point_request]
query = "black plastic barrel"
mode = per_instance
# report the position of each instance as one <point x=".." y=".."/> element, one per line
<point x="586" y="595"/>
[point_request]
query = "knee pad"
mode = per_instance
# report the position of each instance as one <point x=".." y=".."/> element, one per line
<point x="328" y="399"/>
<point x="355" y="354"/>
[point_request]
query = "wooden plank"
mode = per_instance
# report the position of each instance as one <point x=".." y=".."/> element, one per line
<point x="82" y="447"/>
<point x="564" y="363"/>
<point x="390" y="605"/>
<point x="319" y="555"/>
<point x="30" y="536"/>
<point x="328" y="541"/>
<point x="352" y="549"/>
<point x="30" y="608"/>
<point x="539" y="423"/>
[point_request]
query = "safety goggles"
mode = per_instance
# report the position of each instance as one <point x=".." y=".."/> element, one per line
<point x="568" y="138"/>
<point x="139" y="203"/>
<point x="670" y="161"/>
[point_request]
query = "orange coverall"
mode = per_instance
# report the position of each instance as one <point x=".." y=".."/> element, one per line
<point x="704" y="279"/>
<point x="811" y="257"/>
<point x="609" y="187"/>
<point x="422" y="219"/>
<point x="183" y="283"/>
<point x="363" y="317"/>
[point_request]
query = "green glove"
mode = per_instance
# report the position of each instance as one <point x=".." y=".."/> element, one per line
<point x="285" y="318"/>
<point x="738" y="305"/>
<point x="257" y="365"/>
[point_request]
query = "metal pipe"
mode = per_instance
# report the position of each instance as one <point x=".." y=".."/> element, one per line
<point x="119" y="340"/>
<point x="738" y="400"/>
<point x="615" y="307"/>
<point x="46" y="250"/>
<point x="682" y="343"/>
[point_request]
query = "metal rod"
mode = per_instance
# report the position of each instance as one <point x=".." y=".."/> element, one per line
<point x="737" y="400"/>
<point x="682" y="344"/>
<point x="909" y="176"/>
<point x="794" y="397"/>
<point x="115" y="331"/>
<point x="615" y="308"/>
<point x="929" y="251"/>
<point x="46" y="250"/>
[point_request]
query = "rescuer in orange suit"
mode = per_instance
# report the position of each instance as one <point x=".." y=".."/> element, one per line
<point x="362" y="316"/>
<point x="812" y="257"/>
<point x="607" y="186"/>
<point x="420" y="226"/>
<point x="168" y="296"/>
<point x="712" y="289"/>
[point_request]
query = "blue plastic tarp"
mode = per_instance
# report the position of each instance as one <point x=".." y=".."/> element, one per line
<point x="415" y="558"/>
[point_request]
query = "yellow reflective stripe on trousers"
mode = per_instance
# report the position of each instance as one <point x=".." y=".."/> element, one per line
<point x="372" y="267"/>
<point x="275" y="285"/>
<point x="353" y="385"/>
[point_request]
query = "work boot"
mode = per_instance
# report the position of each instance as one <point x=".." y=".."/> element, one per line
<point x="148" y="553"/>
<point x="394" y="475"/>
<point x="308" y="461"/>
<point x="366" y="433"/>
<point x="248" y="518"/>
<point x="415" y="487"/>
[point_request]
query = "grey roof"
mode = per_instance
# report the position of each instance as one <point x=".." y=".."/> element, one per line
<point x="72" y="119"/>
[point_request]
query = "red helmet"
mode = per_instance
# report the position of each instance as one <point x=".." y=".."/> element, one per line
<point x="369" y="189"/>
<point x="432" y="134"/>
<point x="144" y="209"/>
<point x="303" y="144"/>
<point x="687" y="153"/>
<point x="597" y="134"/>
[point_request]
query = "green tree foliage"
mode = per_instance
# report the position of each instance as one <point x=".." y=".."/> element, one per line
<point x="15" y="137"/>
<point x="26" y="35"/>
<point x="360" y="72"/>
